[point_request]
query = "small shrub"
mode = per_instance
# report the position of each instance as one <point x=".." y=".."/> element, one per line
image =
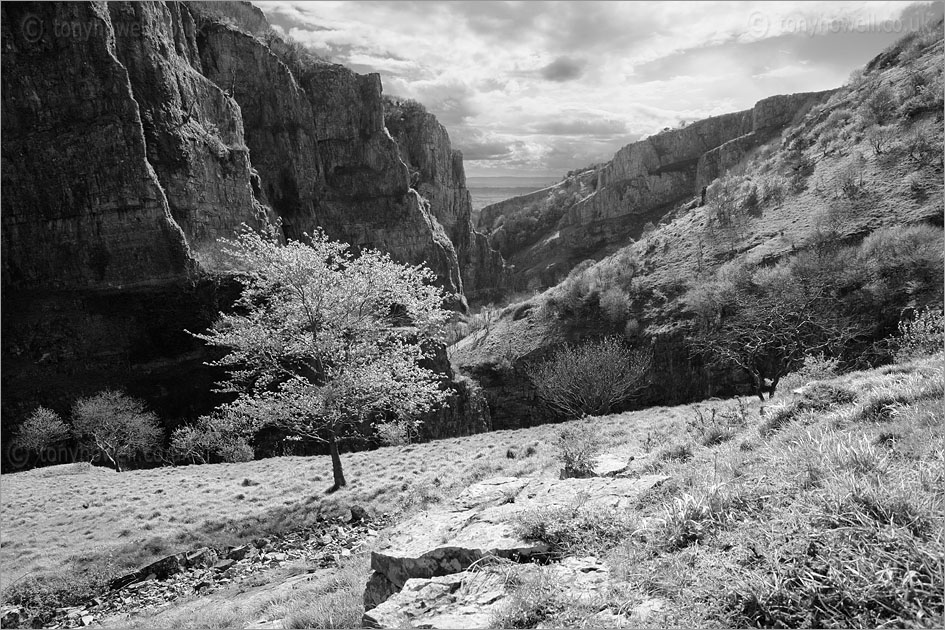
<point x="880" y="137"/>
<point x="922" y="146"/>
<point x="577" y="531"/>
<point x="615" y="304"/>
<point x="210" y="436"/>
<point x="773" y="189"/>
<point x="921" y="335"/>
<point x="880" y="106"/>
<point x="850" y="182"/>
<point x="43" y="428"/>
<point x="577" y="446"/>
<point x="117" y="425"/>
<point x="591" y="378"/>
<point x="236" y="451"/>
<point x="816" y="367"/>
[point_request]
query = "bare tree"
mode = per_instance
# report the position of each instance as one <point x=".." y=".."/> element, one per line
<point x="766" y="333"/>
<point x="117" y="425"/>
<point x="590" y="379"/>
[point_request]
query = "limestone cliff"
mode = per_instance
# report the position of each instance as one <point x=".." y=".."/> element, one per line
<point x="325" y="159"/>
<point x="438" y="175"/>
<point x="637" y="186"/>
<point x="82" y="204"/>
<point x="137" y="134"/>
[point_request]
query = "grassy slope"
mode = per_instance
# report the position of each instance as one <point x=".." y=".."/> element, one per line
<point x="730" y="514"/>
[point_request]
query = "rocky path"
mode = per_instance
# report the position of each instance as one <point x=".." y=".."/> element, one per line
<point x="431" y="571"/>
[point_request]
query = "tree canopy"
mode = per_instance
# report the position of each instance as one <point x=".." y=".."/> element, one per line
<point x="323" y="342"/>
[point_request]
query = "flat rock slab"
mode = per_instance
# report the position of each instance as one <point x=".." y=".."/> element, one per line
<point x="612" y="463"/>
<point x="481" y="522"/>
<point x="474" y="599"/>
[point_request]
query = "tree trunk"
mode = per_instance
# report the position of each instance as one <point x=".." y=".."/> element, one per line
<point x="336" y="464"/>
<point x="113" y="460"/>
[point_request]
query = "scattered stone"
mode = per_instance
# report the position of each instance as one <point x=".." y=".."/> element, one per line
<point x="238" y="553"/>
<point x="10" y="616"/>
<point x="87" y="620"/>
<point x="358" y="514"/>
<point x="203" y="557"/>
<point x="223" y="565"/>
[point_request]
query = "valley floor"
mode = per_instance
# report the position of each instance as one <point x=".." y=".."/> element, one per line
<point x="817" y="508"/>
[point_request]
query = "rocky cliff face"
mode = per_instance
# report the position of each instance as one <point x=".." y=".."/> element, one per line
<point x="83" y="206"/>
<point x="325" y="159"/>
<point x="638" y="185"/>
<point x="137" y="134"/>
<point x="437" y="173"/>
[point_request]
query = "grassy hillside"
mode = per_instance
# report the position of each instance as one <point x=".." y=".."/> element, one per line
<point x="849" y="199"/>
<point x="767" y="509"/>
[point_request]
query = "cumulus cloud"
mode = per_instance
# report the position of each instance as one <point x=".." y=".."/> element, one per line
<point x="541" y="88"/>
<point x="563" y="69"/>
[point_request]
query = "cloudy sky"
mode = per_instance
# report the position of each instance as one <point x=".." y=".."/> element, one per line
<point x="537" y="89"/>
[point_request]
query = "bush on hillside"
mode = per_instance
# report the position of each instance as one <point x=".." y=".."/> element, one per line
<point x="219" y="436"/>
<point x="880" y="106"/>
<point x="42" y="429"/>
<point x="816" y="367"/>
<point x="117" y="425"/>
<point x="880" y="137"/>
<point x="591" y="378"/>
<point x="576" y="447"/>
<point x="615" y="305"/>
<point x="920" y="335"/>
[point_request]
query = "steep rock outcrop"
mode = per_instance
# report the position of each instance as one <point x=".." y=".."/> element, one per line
<point x="136" y="137"/>
<point x="193" y="131"/>
<point x="82" y="205"/>
<point x="437" y="173"/>
<point x="637" y="186"/>
<point x="325" y="159"/>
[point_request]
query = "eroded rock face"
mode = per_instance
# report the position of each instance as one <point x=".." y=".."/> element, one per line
<point x="133" y="140"/>
<point x="193" y="131"/>
<point x="639" y="185"/>
<point x="437" y="173"/>
<point x="323" y="155"/>
<point x="82" y="205"/>
<point x="480" y="522"/>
